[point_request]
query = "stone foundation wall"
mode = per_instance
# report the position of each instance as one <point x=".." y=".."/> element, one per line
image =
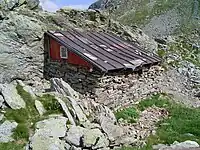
<point x="122" y="88"/>
<point x="79" y="78"/>
<point x="110" y="89"/>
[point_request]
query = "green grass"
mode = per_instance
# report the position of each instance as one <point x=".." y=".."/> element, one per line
<point x="185" y="51"/>
<point x="51" y="104"/>
<point x="181" y="125"/>
<point x="129" y="114"/>
<point x="11" y="146"/>
<point x="27" y="117"/>
<point x="21" y="132"/>
<point x="143" y="13"/>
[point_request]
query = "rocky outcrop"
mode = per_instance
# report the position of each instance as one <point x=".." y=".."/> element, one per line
<point x="97" y="130"/>
<point x="47" y="134"/>
<point x="43" y="143"/>
<point x="12" y="4"/>
<point x="21" y="38"/>
<point x="161" y="19"/>
<point x="52" y="127"/>
<point x="11" y="97"/>
<point x="63" y="88"/>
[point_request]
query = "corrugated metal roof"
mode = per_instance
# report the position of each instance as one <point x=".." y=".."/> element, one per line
<point x="104" y="50"/>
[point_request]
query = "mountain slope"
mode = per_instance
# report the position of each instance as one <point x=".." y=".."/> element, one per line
<point x="21" y="36"/>
<point x="155" y="17"/>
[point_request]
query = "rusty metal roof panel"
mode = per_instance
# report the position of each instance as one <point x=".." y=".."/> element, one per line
<point x="104" y="50"/>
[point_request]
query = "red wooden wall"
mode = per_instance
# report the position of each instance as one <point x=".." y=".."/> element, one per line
<point x="72" y="57"/>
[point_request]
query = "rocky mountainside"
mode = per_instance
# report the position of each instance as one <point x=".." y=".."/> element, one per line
<point x="174" y="24"/>
<point x="22" y="25"/>
<point x="36" y="114"/>
<point x="155" y="17"/>
<point x="21" y="30"/>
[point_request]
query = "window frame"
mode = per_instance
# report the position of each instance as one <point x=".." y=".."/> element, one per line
<point x="61" y="48"/>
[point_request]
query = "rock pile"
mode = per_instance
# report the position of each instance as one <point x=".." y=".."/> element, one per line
<point x="22" y="24"/>
<point x="119" y="89"/>
<point x="87" y="125"/>
<point x="11" y="97"/>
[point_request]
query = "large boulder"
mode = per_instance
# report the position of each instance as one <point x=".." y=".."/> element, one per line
<point x="11" y="97"/>
<point x="95" y="139"/>
<point x="47" y="134"/>
<point x="74" y="135"/>
<point x="66" y="110"/>
<point x="11" y="4"/>
<point x="52" y="127"/>
<point x="27" y="28"/>
<point x="39" y="142"/>
<point x="113" y="131"/>
<point x="77" y="110"/>
<point x="63" y="88"/>
<point x="6" y="131"/>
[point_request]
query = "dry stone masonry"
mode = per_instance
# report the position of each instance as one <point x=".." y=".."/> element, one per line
<point x="122" y="88"/>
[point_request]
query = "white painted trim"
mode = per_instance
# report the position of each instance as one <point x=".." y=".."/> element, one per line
<point x="63" y="47"/>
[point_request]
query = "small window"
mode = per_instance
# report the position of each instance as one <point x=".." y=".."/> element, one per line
<point x="63" y="52"/>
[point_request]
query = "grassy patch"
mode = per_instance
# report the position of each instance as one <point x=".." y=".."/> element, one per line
<point x="11" y="146"/>
<point x="155" y="100"/>
<point x="51" y="104"/>
<point x="144" y="13"/>
<point x="130" y="114"/>
<point x="185" y="51"/>
<point x="27" y="117"/>
<point x="181" y="125"/>
<point x="21" y="132"/>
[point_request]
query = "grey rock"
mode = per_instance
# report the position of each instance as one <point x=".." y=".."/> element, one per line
<point x="52" y="127"/>
<point x="101" y="110"/>
<point x="11" y="4"/>
<point x="39" y="142"/>
<point x="186" y="144"/>
<point x="95" y="139"/>
<point x="66" y="110"/>
<point x="27" y="89"/>
<point x="89" y="125"/>
<point x="32" y="4"/>
<point x="8" y="62"/>
<point x="3" y="4"/>
<point x="1" y="101"/>
<point x="79" y="112"/>
<point x="67" y="146"/>
<point x="6" y="130"/>
<point x="76" y="148"/>
<point x="74" y="135"/>
<point x="21" y="2"/>
<point x="126" y="140"/>
<point x="63" y="88"/>
<point x="40" y="108"/>
<point x="1" y="116"/>
<point x="113" y="131"/>
<point x="27" y="28"/>
<point x="177" y="146"/>
<point x="159" y="146"/>
<point x="11" y="97"/>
